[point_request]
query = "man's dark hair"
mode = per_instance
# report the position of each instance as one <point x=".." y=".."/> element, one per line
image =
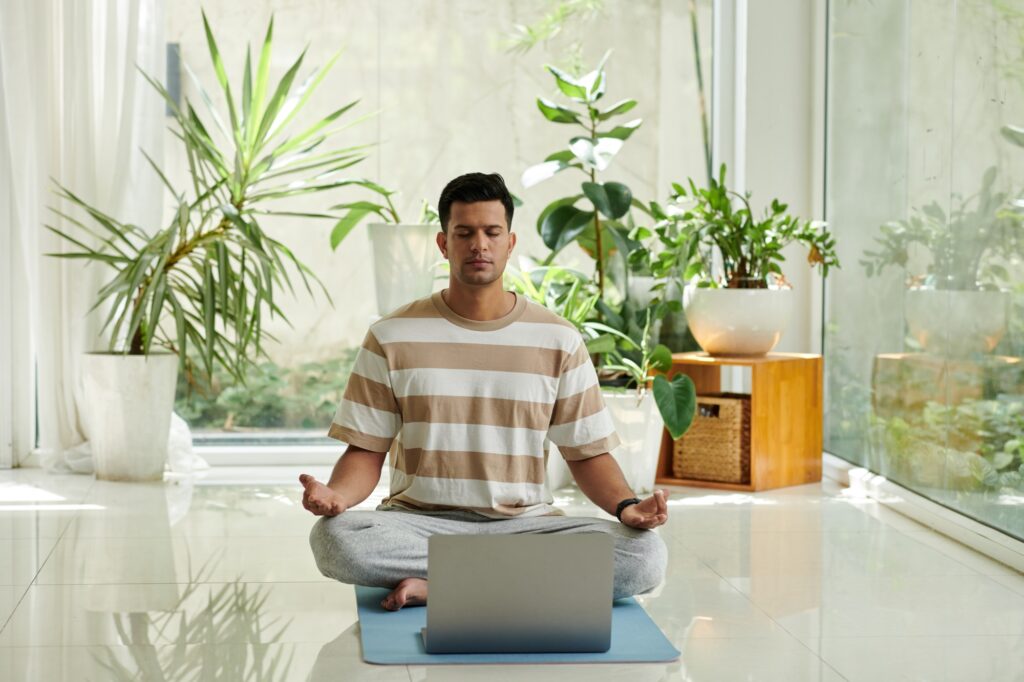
<point x="471" y="188"/>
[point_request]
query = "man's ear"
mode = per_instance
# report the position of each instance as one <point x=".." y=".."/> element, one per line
<point x="442" y="243"/>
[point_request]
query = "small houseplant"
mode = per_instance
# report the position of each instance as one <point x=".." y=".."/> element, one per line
<point x="202" y="285"/>
<point x="574" y="296"/>
<point x="737" y="299"/>
<point x="397" y="247"/>
<point x="964" y="273"/>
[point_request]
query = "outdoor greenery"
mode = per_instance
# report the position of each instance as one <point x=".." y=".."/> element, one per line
<point x="201" y="286"/>
<point x="968" y="249"/>
<point x="704" y="226"/>
<point x="301" y="397"/>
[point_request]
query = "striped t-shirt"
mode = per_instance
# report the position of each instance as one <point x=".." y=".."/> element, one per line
<point x="465" y="406"/>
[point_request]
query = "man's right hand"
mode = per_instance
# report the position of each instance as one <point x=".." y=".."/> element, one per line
<point x="319" y="499"/>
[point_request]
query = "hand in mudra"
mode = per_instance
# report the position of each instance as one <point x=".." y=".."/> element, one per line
<point x="319" y="499"/>
<point x="650" y="513"/>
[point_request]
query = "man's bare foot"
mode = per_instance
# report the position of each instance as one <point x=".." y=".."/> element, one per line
<point x="410" y="592"/>
<point x="320" y="499"/>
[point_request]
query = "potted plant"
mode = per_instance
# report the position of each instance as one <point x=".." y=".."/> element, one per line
<point x="964" y="277"/>
<point x="575" y="297"/>
<point x="736" y="299"/>
<point x="207" y="280"/>
<point x="406" y="247"/>
<point x="597" y="224"/>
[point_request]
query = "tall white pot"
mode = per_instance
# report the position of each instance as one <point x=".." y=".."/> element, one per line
<point x="737" y="321"/>
<point x="129" y="401"/>
<point x="639" y="427"/>
<point x="403" y="263"/>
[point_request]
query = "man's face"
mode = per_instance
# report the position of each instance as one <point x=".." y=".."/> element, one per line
<point x="478" y="242"/>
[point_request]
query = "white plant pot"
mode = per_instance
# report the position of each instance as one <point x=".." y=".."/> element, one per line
<point x="956" y="323"/>
<point x="128" y="404"/>
<point x="639" y="428"/>
<point x="404" y="257"/>
<point x="737" y="321"/>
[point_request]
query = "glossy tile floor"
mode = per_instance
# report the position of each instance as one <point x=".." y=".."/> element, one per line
<point x="213" y="579"/>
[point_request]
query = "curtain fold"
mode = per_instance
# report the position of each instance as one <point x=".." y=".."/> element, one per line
<point x="73" y="107"/>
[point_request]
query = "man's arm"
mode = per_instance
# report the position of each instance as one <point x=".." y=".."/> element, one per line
<point x="601" y="480"/>
<point x="354" y="477"/>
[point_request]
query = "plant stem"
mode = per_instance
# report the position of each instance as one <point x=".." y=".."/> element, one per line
<point x="597" y="216"/>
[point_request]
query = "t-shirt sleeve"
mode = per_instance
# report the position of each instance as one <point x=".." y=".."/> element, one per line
<point x="581" y="425"/>
<point x="368" y="416"/>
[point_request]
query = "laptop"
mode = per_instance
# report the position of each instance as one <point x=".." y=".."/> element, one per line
<point x="526" y="593"/>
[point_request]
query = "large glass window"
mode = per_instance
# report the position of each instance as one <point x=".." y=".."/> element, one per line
<point x="924" y="330"/>
<point x="454" y="85"/>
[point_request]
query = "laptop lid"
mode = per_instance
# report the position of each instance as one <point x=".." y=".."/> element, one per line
<point x="526" y="593"/>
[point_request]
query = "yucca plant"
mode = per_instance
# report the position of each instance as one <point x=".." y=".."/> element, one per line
<point x="206" y="280"/>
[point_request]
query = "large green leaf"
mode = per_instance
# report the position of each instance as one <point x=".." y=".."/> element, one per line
<point x="543" y="171"/>
<point x="677" y="402"/>
<point x="563" y="225"/>
<point x="624" y="131"/>
<point x="612" y="199"/>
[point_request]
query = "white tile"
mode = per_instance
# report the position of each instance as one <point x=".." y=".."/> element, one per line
<point x="742" y="557"/>
<point x="167" y="614"/>
<point x="962" y="553"/>
<point x="22" y="558"/>
<point x="1014" y="582"/>
<point x="9" y="598"/>
<point x="81" y="560"/>
<point x="279" y="662"/>
<point x="937" y="659"/>
<point x="890" y="605"/>
<point x="780" y="658"/>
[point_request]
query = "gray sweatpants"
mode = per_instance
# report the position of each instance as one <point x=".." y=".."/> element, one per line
<point x="381" y="548"/>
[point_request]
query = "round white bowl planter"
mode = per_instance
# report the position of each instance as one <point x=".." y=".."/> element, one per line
<point x="737" y="321"/>
<point x="956" y="323"/>
<point x="639" y="427"/>
<point x="403" y="263"/>
<point x="129" y="400"/>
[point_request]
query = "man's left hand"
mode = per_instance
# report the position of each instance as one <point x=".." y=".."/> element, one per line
<point x="650" y="513"/>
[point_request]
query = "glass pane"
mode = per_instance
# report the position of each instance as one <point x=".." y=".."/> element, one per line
<point x="924" y="337"/>
<point x="455" y="93"/>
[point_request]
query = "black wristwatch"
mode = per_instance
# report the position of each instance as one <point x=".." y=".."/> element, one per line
<point x="625" y="503"/>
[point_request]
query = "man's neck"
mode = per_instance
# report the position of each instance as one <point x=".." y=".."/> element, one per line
<point x="481" y="304"/>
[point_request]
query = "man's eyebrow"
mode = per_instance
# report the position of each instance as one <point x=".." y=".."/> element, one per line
<point x="473" y="227"/>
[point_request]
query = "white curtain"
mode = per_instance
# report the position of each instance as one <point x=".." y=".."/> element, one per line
<point x="73" y="107"/>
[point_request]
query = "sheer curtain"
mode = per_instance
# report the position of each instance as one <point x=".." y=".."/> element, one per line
<point x="73" y="107"/>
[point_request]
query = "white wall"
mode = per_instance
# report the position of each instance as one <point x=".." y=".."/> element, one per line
<point x="452" y="101"/>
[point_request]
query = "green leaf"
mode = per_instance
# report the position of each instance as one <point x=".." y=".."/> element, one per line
<point x="624" y="131"/>
<point x="557" y="113"/>
<point x="612" y="199"/>
<point x="677" y="402"/>
<point x="600" y="345"/>
<point x="616" y="109"/>
<point x="596" y="154"/>
<point x="661" y="358"/>
<point x="1014" y="134"/>
<point x="346" y="224"/>
<point x="569" y="86"/>
<point x="543" y="171"/>
<point x="563" y="225"/>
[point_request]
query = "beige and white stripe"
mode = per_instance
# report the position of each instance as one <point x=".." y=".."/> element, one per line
<point x="465" y="407"/>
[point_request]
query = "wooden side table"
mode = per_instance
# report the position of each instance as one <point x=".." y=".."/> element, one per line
<point x="785" y="418"/>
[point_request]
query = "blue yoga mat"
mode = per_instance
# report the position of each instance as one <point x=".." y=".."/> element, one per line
<point x="393" y="637"/>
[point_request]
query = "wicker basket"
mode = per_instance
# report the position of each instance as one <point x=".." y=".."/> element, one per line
<point x="717" y="446"/>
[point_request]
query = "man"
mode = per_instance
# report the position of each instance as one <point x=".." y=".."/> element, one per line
<point x="463" y="387"/>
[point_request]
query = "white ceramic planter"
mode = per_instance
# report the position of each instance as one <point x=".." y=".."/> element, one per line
<point x="129" y="400"/>
<point x="956" y="323"/>
<point x="639" y="428"/>
<point x="403" y="263"/>
<point x="737" y="321"/>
